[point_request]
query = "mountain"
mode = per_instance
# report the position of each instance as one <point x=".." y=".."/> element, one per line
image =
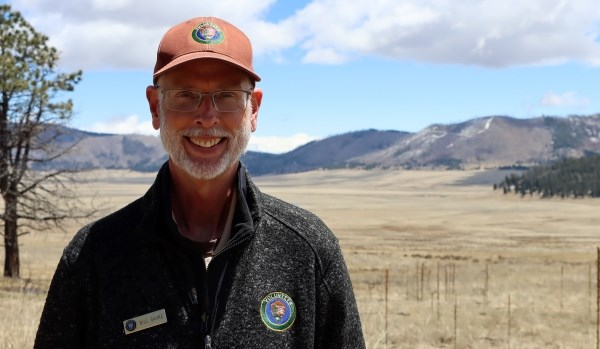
<point x="490" y="142"/>
<point x="487" y="142"/>
<point x="331" y="152"/>
<point x="109" y="151"/>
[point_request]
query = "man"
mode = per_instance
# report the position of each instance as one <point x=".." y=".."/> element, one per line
<point x="203" y="259"/>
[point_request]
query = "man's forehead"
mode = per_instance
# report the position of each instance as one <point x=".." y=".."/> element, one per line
<point x="202" y="86"/>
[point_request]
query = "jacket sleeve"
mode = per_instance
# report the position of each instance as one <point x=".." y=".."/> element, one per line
<point x="338" y="320"/>
<point x="62" y="324"/>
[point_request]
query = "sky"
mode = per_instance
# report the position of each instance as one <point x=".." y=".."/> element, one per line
<point x="334" y="66"/>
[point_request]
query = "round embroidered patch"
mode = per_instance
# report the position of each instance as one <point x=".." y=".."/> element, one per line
<point x="208" y="33"/>
<point x="278" y="311"/>
<point x="130" y="325"/>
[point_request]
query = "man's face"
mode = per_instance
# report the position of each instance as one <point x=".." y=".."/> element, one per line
<point x="204" y="143"/>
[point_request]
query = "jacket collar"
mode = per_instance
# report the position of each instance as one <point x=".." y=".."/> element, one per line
<point x="157" y="206"/>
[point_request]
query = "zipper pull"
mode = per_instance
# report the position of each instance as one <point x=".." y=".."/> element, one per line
<point x="207" y="342"/>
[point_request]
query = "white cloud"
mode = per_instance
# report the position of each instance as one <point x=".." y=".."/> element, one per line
<point x="567" y="99"/>
<point x="278" y="145"/>
<point x="125" y="125"/>
<point x="96" y="34"/>
<point x="474" y="32"/>
<point x="123" y="34"/>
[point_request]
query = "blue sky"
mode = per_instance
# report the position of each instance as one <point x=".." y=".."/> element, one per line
<point x="334" y="66"/>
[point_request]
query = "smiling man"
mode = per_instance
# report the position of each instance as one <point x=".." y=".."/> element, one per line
<point x="203" y="259"/>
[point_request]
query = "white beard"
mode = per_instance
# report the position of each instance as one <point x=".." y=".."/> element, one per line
<point x="237" y="141"/>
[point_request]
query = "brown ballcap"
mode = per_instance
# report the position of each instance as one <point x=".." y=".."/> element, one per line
<point x="204" y="37"/>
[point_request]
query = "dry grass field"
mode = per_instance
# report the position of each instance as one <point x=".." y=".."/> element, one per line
<point x="437" y="258"/>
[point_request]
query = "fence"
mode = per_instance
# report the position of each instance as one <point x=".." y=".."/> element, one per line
<point x="428" y="302"/>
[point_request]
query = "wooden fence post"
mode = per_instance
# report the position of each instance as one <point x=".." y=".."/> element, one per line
<point x="387" y="277"/>
<point x="509" y="321"/>
<point x="598" y="300"/>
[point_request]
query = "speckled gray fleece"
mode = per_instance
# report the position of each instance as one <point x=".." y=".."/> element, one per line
<point x="132" y="263"/>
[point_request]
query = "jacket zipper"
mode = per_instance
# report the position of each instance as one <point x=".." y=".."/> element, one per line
<point x="213" y="317"/>
<point x="205" y="308"/>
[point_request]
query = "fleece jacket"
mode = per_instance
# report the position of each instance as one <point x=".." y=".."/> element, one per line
<point x="129" y="280"/>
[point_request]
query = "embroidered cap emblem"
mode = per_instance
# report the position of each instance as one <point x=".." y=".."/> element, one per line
<point x="278" y="311"/>
<point x="208" y="33"/>
<point x="130" y="325"/>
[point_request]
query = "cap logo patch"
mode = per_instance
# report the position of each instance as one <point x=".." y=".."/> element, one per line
<point x="278" y="311"/>
<point x="208" y="33"/>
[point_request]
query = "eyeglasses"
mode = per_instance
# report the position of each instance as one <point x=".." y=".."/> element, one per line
<point x="227" y="101"/>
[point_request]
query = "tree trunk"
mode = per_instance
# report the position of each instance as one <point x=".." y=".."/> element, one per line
<point x="11" y="243"/>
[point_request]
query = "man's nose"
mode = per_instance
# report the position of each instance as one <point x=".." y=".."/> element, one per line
<point x="206" y="115"/>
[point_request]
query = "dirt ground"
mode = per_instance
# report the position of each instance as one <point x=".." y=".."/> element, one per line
<point x="437" y="258"/>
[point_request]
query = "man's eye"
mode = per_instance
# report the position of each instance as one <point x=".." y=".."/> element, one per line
<point x="226" y="94"/>
<point x="185" y="94"/>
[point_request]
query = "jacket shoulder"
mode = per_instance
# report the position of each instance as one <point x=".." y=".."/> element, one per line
<point x="106" y="230"/>
<point x="296" y="218"/>
<point x="302" y="223"/>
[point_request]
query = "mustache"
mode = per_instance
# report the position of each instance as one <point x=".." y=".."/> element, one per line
<point x="200" y="132"/>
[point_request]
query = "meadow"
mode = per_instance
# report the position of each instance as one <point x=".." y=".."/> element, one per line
<point x="437" y="258"/>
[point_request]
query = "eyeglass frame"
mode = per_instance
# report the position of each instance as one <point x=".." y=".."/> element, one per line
<point x="201" y="95"/>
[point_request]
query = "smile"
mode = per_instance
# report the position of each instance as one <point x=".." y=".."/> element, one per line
<point x="205" y="143"/>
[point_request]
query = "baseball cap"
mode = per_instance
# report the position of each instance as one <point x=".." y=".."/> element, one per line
<point x="204" y="37"/>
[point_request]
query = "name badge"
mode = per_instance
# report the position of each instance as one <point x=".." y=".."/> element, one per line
<point x="143" y="322"/>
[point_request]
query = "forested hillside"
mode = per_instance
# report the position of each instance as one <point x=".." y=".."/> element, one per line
<point x="569" y="177"/>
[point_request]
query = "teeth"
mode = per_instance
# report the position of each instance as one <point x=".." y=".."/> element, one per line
<point x="205" y="143"/>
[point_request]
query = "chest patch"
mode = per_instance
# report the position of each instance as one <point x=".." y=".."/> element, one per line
<point x="278" y="311"/>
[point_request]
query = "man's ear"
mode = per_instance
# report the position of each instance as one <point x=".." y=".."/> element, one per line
<point x="152" y="97"/>
<point x="256" y="100"/>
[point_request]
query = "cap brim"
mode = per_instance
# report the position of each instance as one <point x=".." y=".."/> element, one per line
<point x="205" y="55"/>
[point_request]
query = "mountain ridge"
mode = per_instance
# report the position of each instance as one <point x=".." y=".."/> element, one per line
<point x="485" y="142"/>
